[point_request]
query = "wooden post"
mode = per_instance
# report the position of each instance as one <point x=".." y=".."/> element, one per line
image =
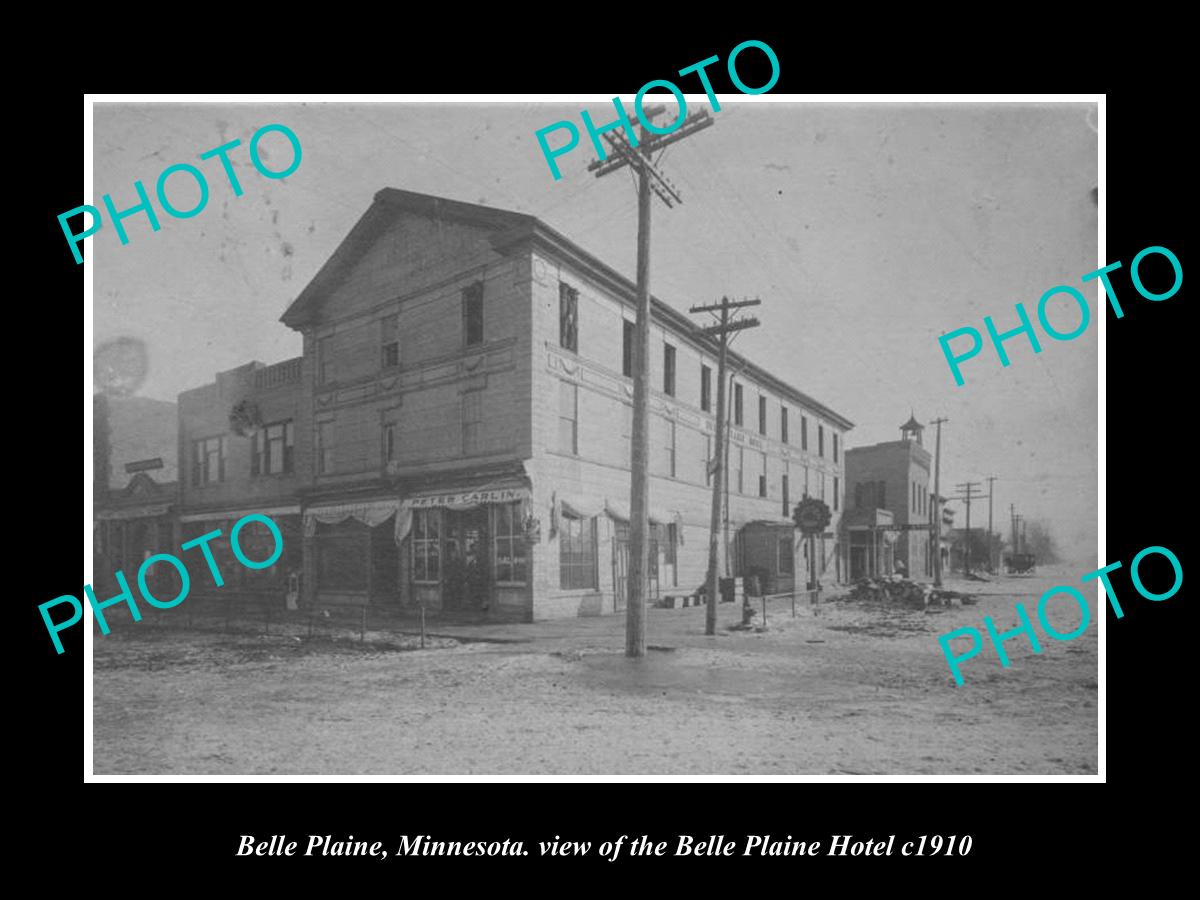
<point x="635" y="607"/>
<point x="422" y="624"/>
<point x="714" y="539"/>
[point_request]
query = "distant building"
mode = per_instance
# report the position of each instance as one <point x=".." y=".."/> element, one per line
<point x="134" y="484"/>
<point x="894" y="477"/>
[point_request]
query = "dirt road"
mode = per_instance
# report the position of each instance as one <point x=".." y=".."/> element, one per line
<point x="856" y="689"/>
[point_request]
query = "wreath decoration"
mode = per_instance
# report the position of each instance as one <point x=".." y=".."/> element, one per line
<point x="244" y="418"/>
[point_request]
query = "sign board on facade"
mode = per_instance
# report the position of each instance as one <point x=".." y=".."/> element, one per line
<point x="144" y="465"/>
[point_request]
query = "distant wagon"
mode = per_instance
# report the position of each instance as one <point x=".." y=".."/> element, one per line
<point x="1021" y="563"/>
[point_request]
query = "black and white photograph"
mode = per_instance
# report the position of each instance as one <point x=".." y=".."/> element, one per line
<point x="473" y="437"/>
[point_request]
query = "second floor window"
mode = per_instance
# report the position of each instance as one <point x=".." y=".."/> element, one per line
<point x="628" y="331"/>
<point x="273" y="449"/>
<point x="324" y="447"/>
<point x="208" y="460"/>
<point x="472" y="421"/>
<point x="783" y="435"/>
<point x="472" y="302"/>
<point x="737" y="404"/>
<point x="389" y="442"/>
<point x="390" y="341"/>
<point x="762" y="477"/>
<point x="783" y="487"/>
<point x="668" y="370"/>
<point x="568" y="317"/>
<point x="705" y="388"/>
<point x="762" y="414"/>
<point x="804" y="432"/>
<point x="820" y="440"/>
<point x="835" y="447"/>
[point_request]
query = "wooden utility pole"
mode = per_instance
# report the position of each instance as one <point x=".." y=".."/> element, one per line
<point x="991" y="480"/>
<point x="1012" y="511"/>
<point x="935" y="518"/>
<point x="715" y="465"/>
<point x="637" y="154"/>
<point x="969" y="487"/>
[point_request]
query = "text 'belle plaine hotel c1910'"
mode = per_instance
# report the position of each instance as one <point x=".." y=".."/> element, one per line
<point x="457" y="434"/>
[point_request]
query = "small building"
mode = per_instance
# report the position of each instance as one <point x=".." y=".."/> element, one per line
<point x="767" y="550"/>
<point x="892" y="476"/>
<point x="870" y="542"/>
<point x="237" y="439"/>
<point x="134" y="485"/>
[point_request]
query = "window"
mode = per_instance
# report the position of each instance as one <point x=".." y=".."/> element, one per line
<point x="787" y="559"/>
<point x="804" y="432"/>
<point x="823" y="486"/>
<point x="737" y="405"/>
<point x="342" y="556"/>
<point x="913" y="500"/>
<point x="325" y="360"/>
<point x="669" y="448"/>
<point x="577" y="553"/>
<point x="787" y="513"/>
<point x="472" y="422"/>
<point x="389" y="442"/>
<point x="783" y="434"/>
<point x="628" y="334"/>
<point x="741" y="467"/>
<point x="568" y="317"/>
<point x="568" y="418"/>
<point x="509" y="547"/>
<point x="208" y="460"/>
<point x="762" y="477"/>
<point x="472" y="305"/>
<point x="668" y="370"/>
<point x="820" y="440"/>
<point x="389" y="327"/>
<point x="835" y="447"/>
<point x="762" y="414"/>
<point x="426" y="545"/>
<point x="836" y="491"/>
<point x="324" y="448"/>
<point x="705" y="388"/>
<point x="273" y="449"/>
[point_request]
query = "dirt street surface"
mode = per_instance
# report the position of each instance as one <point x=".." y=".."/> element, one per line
<point x="855" y="689"/>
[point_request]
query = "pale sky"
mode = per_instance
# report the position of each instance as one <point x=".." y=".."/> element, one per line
<point x="867" y="230"/>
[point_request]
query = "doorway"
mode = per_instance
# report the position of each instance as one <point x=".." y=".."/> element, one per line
<point x="467" y="579"/>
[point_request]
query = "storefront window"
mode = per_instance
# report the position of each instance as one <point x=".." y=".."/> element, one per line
<point x="577" y="553"/>
<point x="426" y="545"/>
<point x="510" y="544"/>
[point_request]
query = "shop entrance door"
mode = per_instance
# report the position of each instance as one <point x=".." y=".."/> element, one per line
<point x="467" y="579"/>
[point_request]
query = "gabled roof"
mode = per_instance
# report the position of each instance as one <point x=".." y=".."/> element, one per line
<point x="513" y="230"/>
<point x="388" y="203"/>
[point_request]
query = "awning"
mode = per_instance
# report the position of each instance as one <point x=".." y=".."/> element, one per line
<point x="133" y="512"/>
<point x="504" y="491"/>
<point x="620" y="512"/>
<point x="370" y="512"/>
<point x="217" y="515"/>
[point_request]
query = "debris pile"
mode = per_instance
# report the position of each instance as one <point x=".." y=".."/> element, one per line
<point x="900" y="590"/>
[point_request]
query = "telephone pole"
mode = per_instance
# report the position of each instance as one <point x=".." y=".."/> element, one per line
<point x="935" y="516"/>
<point x="637" y="152"/>
<point x="1012" y="511"/>
<point x="969" y="487"/>
<point x="715" y="465"/>
<point x="991" y="479"/>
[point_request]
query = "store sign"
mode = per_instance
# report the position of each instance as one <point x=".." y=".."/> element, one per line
<point x="144" y="465"/>
<point x="462" y="499"/>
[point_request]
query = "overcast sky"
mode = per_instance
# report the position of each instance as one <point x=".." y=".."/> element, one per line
<point x="867" y="230"/>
